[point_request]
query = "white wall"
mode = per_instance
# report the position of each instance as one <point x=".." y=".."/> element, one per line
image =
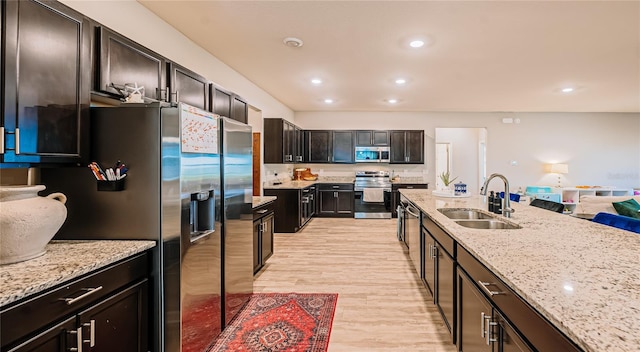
<point x="601" y="148"/>
<point x="464" y="143"/>
<point x="134" y="21"/>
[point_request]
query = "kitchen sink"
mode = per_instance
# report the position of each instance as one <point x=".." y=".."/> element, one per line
<point x="456" y="213"/>
<point x="488" y="224"/>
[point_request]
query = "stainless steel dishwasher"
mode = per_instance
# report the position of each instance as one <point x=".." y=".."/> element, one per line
<point x="412" y="234"/>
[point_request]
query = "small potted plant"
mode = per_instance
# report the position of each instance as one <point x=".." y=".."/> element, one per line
<point x="446" y="179"/>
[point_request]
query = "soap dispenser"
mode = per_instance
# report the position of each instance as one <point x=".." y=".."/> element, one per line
<point x="491" y="200"/>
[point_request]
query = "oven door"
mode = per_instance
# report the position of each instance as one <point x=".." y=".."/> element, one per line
<point x="372" y="210"/>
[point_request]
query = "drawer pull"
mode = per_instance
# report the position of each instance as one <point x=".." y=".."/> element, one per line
<point x="92" y="333"/>
<point x="90" y="291"/>
<point x="336" y="187"/>
<point x="78" y="334"/>
<point x="262" y="211"/>
<point x="484" y="286"/>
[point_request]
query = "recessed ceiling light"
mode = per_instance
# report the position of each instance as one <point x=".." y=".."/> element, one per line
<point x="401" y="81"/>
<point x="328" y="101"/>
<point x="416" y="43"/>
<point x="392" y="101"/>
<point x="316" y="81"/>
<point x="292" y="42"/>
<point x="567" y="90"/>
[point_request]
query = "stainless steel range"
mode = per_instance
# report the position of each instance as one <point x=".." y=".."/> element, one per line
<point x="372" y="195"/>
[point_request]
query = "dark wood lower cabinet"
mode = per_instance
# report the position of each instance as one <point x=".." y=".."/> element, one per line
<point x="113" y="316"/>
<point x="263" y="219"/>
<point x="335" y="200"/>
<point x="472" y="325"/>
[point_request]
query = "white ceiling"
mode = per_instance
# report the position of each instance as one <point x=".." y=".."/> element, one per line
<point x="479" y="56"/>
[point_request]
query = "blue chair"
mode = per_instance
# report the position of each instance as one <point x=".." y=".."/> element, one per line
<point x="619" y="221"/>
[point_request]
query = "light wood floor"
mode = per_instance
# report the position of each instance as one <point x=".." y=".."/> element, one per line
<point x="381" y="302"/>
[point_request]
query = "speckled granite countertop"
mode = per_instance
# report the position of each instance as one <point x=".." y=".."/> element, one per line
<point x="258" y="201"/>
<point x="63" y="261"/>
<point x="582" y="276"/>
<point x="303" y="184"/>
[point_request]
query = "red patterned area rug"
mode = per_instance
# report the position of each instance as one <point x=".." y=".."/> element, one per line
<point x="281" y="322"/>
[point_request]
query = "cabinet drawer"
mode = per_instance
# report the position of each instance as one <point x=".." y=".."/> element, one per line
<point x="335" y="186"/>
<point x="263" y="210"/>
<point x="442" y="237"/>
<point x="396" y="186"/>
<point x="45" y="308"/>
<point x="534" y="327"/>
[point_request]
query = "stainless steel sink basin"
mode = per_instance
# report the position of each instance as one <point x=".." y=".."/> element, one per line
<point x="454" y="213"/>
<point x="487" y="224"/>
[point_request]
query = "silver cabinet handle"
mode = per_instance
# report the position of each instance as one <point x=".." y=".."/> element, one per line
<point x="484" y="286"/>
<point x="167" y="95"/>
<point x="262" y="211"/>
<point x="336" y="187"/>
<point x="489" y="324"/>
<point x="1" y="140"/>
<point x="78" y="333"/>
<point x="335" y="194"/>
<point x="90" y="291"/>
<point x="17" y="141"/>
<point x="482" y="317"/>
<point x="92" y="333"/>
<point x="328" y="158"/>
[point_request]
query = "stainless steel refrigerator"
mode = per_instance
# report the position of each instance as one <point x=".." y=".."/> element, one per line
<point x="188" y="188"/>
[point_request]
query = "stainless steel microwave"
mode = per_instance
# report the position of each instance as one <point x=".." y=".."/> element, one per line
<point x="372" y="154"/>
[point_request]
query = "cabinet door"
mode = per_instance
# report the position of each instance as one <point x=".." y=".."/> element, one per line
<point x="257" y="250"/>
<point x="299" y="144"/>
<point x="46" y="83"/>
<point x="474" y="315"/>
<point x="397" y="147"/>
<point x="445" y="295"/>
<point x="221" y="100"/>
<point x="239" y="109"/>
<point x="343" y="147"/>
<point x="55" y="339"/>
<point x="188" y="87"/>
<point x="414" y="147"/>
<point x="509" y="339"/>
<point x="317" y="146"/>
<point x="123" y="61"/>
<point x="380" y="138"/>
<point x="364" y="138"/>
<point x="344" y="203"/>
<point x="429" y="264"/>
<point x="267" y="238"/>
<point x="327" y="205"/>
<point x="120" y="322"/>
<point x="273" y="141"/>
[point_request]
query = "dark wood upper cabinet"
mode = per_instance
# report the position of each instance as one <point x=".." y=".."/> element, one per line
<point x="239" y="109"/>
<point x="343" y="147"/>
<point x="281" y="142"/>
<point x="221" y="101"/>
<point x="318" y="144"/>
<point x="124" y="62"/>
<point x="372" y="138"/>
<point x="406" y="147"/>
<point x="187" y="87"/>
<point x="46" y="81"/>
<point x="228" y="104"/>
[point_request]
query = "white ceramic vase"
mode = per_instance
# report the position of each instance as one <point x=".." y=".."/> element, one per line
<point x="28" y="222"/>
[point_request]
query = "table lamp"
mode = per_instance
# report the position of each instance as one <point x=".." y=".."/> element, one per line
<point x="557" y="169"/>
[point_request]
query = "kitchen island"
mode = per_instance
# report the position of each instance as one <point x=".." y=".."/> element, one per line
<point x="584" y="278"/>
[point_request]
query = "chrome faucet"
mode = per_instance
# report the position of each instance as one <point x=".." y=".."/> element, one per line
<point x="506" y="208"/>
